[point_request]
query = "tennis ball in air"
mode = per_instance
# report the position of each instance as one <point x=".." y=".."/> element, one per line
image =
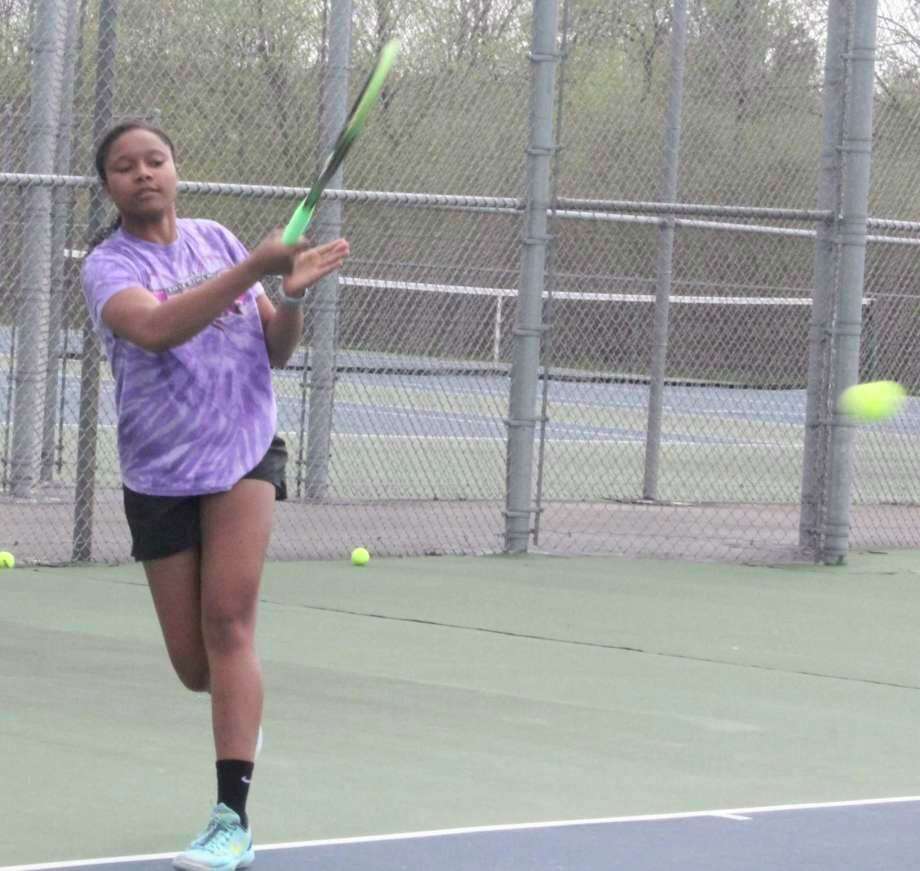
<point x="7" y="560"/>
<point x="360" y="556"/>
<point x="872" y="401"/>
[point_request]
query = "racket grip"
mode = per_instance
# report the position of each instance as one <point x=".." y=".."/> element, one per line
<point x="297" y="226"/>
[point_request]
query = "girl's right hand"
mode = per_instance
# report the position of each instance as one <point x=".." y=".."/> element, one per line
<point x="272" y="257"/>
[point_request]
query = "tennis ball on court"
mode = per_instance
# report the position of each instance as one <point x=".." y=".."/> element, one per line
<point x="872" y="401"/>
<point x="360" y="556"/>
<point x="7" y="560"/>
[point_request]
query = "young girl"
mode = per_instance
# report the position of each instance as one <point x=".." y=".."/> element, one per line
<point x="191" y="338"/>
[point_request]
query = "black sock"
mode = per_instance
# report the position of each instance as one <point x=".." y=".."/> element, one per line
<point x="233" y="779"/>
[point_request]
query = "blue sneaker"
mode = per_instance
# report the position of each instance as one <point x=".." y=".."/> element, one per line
<point x="224" y="845"/>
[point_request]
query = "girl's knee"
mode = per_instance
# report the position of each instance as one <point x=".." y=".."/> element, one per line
<point x="227" y="632"/>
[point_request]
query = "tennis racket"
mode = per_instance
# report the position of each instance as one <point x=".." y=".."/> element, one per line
<point x="354" y="124"/>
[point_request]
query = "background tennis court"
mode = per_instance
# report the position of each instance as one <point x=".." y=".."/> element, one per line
<point x="392" y="416"/>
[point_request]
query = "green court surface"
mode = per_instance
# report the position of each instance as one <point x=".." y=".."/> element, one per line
<point x="419" y="694"/>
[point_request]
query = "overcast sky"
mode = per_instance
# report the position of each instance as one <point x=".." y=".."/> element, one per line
<point x="900" y="10"/>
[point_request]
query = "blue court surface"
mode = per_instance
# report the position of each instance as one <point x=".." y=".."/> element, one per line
<point x="880" y="834"/>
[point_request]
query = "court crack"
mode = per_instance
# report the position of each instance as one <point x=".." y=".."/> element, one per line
<point x="598" y="645"/>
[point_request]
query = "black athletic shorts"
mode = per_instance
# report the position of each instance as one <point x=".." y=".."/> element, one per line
<point x="164" y="525"/>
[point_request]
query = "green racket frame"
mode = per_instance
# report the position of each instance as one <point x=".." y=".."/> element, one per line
<point x="303" y="215"/>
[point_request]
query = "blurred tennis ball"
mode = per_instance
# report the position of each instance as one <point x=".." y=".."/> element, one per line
<point x="360" y="556"/>
<point x="7" y="560"/>
<point x="872" y="401"/>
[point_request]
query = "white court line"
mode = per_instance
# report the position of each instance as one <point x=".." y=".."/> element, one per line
<point x="732" y="813"/>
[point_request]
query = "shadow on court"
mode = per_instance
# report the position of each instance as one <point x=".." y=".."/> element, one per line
<point x="445" y="693"/>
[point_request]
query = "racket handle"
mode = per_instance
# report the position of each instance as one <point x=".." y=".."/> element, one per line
<point x="297" y="226"/>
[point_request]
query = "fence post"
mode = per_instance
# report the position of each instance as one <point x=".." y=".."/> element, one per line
<point x="62" y="200"/>
<point x="817" y="404"/>
<point x="324" y="302"/>
<point x="857" y="157"/>
<point x="92" y="356"/>
<point x="663" y="265"/>
<point x="9" y="198"/>
<point x="528" y="330"/>
<point x="549" y="308"/>
<point x="48" y="36"/>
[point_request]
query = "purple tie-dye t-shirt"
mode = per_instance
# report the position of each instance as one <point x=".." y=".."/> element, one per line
<point x="196" y="418"/>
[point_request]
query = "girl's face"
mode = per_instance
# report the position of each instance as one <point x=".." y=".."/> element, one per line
<point x="140" y="175"/>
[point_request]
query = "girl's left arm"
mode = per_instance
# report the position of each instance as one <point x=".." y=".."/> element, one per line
<point x="283" y="325"/>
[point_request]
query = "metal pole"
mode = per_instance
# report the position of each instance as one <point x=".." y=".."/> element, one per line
<point x="62" y="200"/>
<point x="302" y="423"/>
<point x="528" y="330"/>
<point x="497" y="331"/>
<point x="857" y="151"/>
<point x="817" y="392"/>
<point x="324" y="301"/>
<point x="48" y="38"/>
<point x="10" y="199"/>
<point x="92" y="354"/>
<point x="549" y="310"/>
<point x="79" y="77"/>
<point x="663" y="267"/>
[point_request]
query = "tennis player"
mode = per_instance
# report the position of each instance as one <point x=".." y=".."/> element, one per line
<point x="191" y="338"/>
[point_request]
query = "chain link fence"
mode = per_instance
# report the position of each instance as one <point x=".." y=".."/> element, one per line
<point x="666" y="404"/>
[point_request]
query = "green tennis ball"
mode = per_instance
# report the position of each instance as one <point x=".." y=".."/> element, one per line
<point x="7" y="560"/>
<point x="872" y="401"/>
<point x="360" y="556"/>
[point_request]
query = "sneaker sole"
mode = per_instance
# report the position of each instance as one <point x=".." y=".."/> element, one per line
<point x="187" y="865"/>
